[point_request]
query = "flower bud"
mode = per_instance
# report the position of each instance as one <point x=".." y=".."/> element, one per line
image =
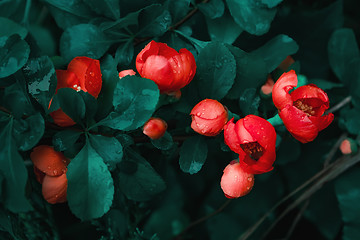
<point x="348" y="146"/>
<point x="208" y="117"/>
<point x="54" y="188"/>
<point x="267" y="88"/>
<point x="155" y="128"/>
<point x="235" y="182"/>
<point x="169" y="69"/>
<point x="124" y="73"/>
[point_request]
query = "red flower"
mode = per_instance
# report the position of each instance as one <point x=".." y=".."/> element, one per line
<point x="301" y="110"/>
<point x="235" y="182"/>
<point x="155" y="128"/>
<point x="50" y="170"/>
<point x="208" y="117"/>
<point x="124" y="73"/>
<point x="84" y="74"/>
<point x="169" y="69"/>
<point x="253" y="138"/>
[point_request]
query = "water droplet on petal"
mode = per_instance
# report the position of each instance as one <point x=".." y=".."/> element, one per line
<point x="91" y="74"/>
<point x="249" y="179"/>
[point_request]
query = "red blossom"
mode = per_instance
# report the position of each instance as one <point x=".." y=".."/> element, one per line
<point x="235" y="182"/>
<point x="127" y="72"/>
<point x="169" y="69"/>
<point x="208" y="117"/>
<point x="302" y="110"/>
<point x="254" y="139"/>
<point x="155" y="128"/>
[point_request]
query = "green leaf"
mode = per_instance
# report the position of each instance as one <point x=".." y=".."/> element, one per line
<point x="83" y="40"/>
<point x="135" y="101"/>
<point x="193" y="154"/>
<point x="251" y="72"/>
<point x="164" y="143"/>
<point x="249" y="102"/>
<point x="108" y="8"/>
<point x="223" y="29"/>
<point x="276" y="50"/>
<point x="347" y="190"/>
<point x="65" y="139"/>
<point x="90" y="106"/>
<point x="27" y="133"/>
<point x="138" y="180"/>
<point x="44" y="39"/>
<point x="342" y="50"/>
<point x="154" y="21"/>
<point x="72" y="104"/>
<point x="90" y="185"/>
<point x="216" y="71"/>
<point x="349" y="119"/>
<point x="125" y="53"/>
<point x="251" y="16"/>
<point x="289" y="151"/>
<point x="212" y="9"/>
<point x="109" y="148"/>
<point x="271" y="3"/>
<point x="13" y="170"/>
<point x="14" y="53"/>
<point x="69" y="13"/>
<point x="110" y="77"/>
<point x="177" y="9"/>
<point x="9" y="27"/>
<point x="41" y="79"/>
<point x="325" y="84"/>
<point x="16" y="99"/>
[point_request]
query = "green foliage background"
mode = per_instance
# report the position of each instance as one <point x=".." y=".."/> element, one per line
<point x="123" y="185"/>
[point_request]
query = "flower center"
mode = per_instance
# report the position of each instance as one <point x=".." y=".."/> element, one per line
<point x="253" y="149"/>
<point x="304" y="107"/>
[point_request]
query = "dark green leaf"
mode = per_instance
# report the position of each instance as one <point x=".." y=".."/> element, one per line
<point x="271" y="3"/>
<point x="193" y="154"/>
<point x="252" y="17"/>
<point x="125" y="53"/>
<point x="83" y="40"/>
<point x="163" y="143"/>
<point x="276" y="50"/>
<point x="90" y="106"/>
<point x="69" y="13"/>
<point x="28" y="132"/>
<point x="44" y="39"/>
<point x="90" y="185"/>
<point x="249" y="101"/>
<point x="72" y="104"/>
<point x="177" y="9"/>
<point x="342" y="50"/>
<point x="64" y="140"/>
<point x="110" y="77"/>
<point x="141" y="182"/>
<point x="13" y="169"/>
<point x="251" y="72"/>
<point x="348" y="195"/>
<point x="14" y="53"/>
<point x="8" y="8"/>
<point x="109" y="148"/>
<point x="108" y="8"/>
<point x="17" y="101"/>
<point x="154" y="21"/>
<point x="325" y="84"/>
<point x="212" y="9"/>
<point x="350" y="120"/>
<point x="134" y="100"/>
<point x="121" y="27"/>
<point x="9" y="27"/>
<point x="223" y="29"/>
<point x="41" y="79"/>
<point x="5" y="221"/>
<point x="216" y="71"/>
<point x="289" y="151"/>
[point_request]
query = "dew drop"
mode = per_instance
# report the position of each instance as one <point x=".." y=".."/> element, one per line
<point x="248" y="188"/>
<point x="249" y="179"/>
<point x="91" y="74"/>
<point x="55" y="172"/>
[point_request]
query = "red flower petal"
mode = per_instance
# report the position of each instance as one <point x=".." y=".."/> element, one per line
<point x="261" y="131"/>
<point x="124" y="73"/>
<point x="323" y="121"/>
<point x="155" y="128"/>
<point x="208" y="109"/>
<point x="67" y="79"/>
<point x="54" y="189"/>
<point x="231" y="138"/>
<point x="262" y="165"/>
<point x="151" y="48"/>
<point x="89" y="73"/>
<point x="235" y="182"/>
<point x="280" y="92"/>
<point x="61" y="119"/>
<point x="298" y="124"/>
<point x="49" y="161"/>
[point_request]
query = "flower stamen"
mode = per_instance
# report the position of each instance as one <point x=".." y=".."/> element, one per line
<point x="253" y="149"/>
<point x="304" y="107"/>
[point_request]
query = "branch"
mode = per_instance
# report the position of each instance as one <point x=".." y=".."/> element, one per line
<point x="339" y="105"/>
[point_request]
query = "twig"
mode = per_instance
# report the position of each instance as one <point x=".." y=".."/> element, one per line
<point x="334" y="150"/>
<point x="175" y="26"/>
<point x="297" y="219"/>
<point x="339" y="105"/>
<point x="203" y="219"/>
